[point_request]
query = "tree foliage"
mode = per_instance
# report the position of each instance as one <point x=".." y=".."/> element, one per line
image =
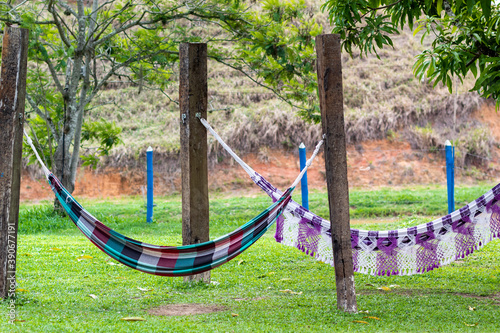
<point x="76" y="47"/>
<point x="465" y="36"/>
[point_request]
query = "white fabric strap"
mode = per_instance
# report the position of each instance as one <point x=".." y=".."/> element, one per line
<point x="245" y="166"/>
<point x="308" y="163"/>
<point x="30" y="142"/>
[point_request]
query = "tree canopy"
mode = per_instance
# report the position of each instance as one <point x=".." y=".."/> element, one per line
<point x="464" y="35"/>
<point x="76" y="47"/>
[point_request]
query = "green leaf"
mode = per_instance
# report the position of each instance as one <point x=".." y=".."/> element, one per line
<point x="439" y="7"/>
<point x="420" y="27"/>
<point x="43" y="51"/>
<point x="470" y="5"/>
<point x="374" y="3"/>
<point x="432" y="67"/>
<point x="473" y="69"/>
<point x="133" y="319"/>
<point x="486" y="6"/>
<point x="449" y="84"/>
<point x="378" y="39"/>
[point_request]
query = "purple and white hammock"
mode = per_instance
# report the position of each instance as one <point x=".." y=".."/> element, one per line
<point x="414" y="250"/>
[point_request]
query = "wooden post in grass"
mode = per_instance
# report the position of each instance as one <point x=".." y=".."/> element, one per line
<point x="329" y="67"/>
<point x="192" y="103"/>
<point x="12" y="95"/>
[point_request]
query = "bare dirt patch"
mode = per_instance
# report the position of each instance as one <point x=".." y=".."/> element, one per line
<point x="371" y="164"/>
<point x="426" y="293"/>
<point x="185" y="309"/>
<point x="487" y="114"/>
<point x="495" y="297"/>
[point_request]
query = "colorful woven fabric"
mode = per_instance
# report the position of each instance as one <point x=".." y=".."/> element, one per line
<point x="394" y="252"/>
<point x="408" y="251"/>
<point x="168" y="260"/>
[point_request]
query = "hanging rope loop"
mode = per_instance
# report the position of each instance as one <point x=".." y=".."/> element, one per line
<point x="46" y="171"/>
<point x="245" y="166"/>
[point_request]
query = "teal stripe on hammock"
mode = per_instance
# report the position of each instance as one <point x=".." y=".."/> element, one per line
<point x="126" y="239"/>
<point x="184" y="262"/>
<point x="246" y="243"/>
<point x="67" y="208"/>
<point x="114" y="246"/>
<point x="191" y="246"/>
<point x="83" y="228"/>
<point x="123" y="237"/>
<point x="154" y="269"/>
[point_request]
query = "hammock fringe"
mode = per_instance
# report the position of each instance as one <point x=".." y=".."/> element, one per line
<point x="384" y="253"/>
<point x="409" y="251"/>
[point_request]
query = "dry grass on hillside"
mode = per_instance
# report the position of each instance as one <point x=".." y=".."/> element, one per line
<point x="382" y="99"/>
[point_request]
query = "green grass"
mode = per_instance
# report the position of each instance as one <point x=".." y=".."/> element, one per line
<point x="57" y="286"/>
<point x="417" y="200"/>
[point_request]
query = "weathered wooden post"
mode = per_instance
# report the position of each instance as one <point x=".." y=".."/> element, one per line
<point x="329" y="67"/>
<point x="192" y="102"/>
<point x="12" y="95"/>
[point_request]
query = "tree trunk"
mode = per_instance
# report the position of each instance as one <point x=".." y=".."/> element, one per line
<point x="67" y="152"/>
<point x="66" y="156"/>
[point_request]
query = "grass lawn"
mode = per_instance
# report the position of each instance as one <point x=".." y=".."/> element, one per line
<point x="269" y="288"/>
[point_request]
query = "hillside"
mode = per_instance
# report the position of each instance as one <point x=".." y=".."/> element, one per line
<point x="396" y="127"/>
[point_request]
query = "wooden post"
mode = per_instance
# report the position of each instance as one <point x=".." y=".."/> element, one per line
<point x="12" y="95"/>
<point x="192" y="102"/>
<point x="329" y="67"/>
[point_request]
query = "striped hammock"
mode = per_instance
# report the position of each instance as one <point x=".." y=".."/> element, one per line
<point x="414" y="250"/>
<point x="166" y="260"/>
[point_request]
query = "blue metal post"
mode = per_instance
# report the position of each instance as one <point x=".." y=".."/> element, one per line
<point x="149" y="214"/>
<point x="450" y="175"/>
<point x="303" y="182"/>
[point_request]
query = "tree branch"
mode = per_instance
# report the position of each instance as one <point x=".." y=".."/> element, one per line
<point x="48" y="120"/>
<point x="115" y="68"/>
<point x="80" y="8"/>
<point x="83" y="96"/>
<point x="119" y="30"/>
<point x="109" y="21"/>
<point x="284" y="99"/>
<point x="54" y="75"/>
<point x="470" y="62"/>
<point x="58" y="24"/>
<point x="100" y="7"/>
<point x="66" y="7"/>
